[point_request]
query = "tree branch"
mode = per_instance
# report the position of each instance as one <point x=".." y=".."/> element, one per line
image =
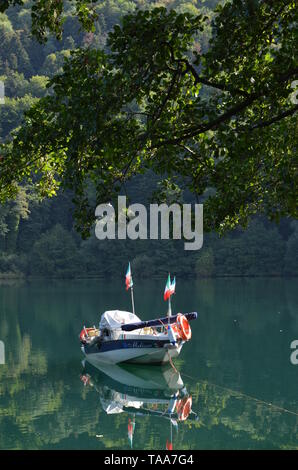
<point x="205" y="81"/>
<point x="277" y="118"/>
<point x="194" y="131"/>
<point x="166" y="98"/>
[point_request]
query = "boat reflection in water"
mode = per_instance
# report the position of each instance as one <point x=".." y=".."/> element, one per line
<point x="156" y="391"/>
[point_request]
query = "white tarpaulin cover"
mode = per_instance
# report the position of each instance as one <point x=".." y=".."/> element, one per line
<point x="115" y="318"/>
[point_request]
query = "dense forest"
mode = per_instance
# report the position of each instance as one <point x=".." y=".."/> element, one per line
<point x="38" y="238"/>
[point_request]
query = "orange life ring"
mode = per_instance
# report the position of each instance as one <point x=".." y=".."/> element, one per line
<point x="85" y="333"/>
<point x="183" y="408"/>
<point x="184" y="327"/>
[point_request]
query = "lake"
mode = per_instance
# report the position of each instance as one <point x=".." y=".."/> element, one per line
<point x="236" y="369"/>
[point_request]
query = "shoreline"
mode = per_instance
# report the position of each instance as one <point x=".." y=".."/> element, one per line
<point x="11" y="277"/>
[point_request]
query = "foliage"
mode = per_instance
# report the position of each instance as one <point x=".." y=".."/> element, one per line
<point x="24" y="67"/>
<point x="54" y="254"/>
<point x="10" y="216"/>
<point x="48" y="15"/>
<point x="142" y="104"/>
<point x="11" y="113"/>
<point x="205" y="263"/>
<point x="258" y="251"/>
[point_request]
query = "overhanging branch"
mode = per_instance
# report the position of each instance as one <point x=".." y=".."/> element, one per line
<point x="277" y="118"/>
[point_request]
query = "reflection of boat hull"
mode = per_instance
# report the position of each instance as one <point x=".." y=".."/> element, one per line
<point x="130" y="378"/>
<point x="139" y="390"/>
<point x="140" y="351"/>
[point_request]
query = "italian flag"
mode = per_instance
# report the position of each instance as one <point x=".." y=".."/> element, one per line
<point x="173" y="286"/>
<point x="170" y="288"/>
<point x="128" y="278"/>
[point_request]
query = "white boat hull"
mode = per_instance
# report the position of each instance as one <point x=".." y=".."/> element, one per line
<point x="142" y="355"/>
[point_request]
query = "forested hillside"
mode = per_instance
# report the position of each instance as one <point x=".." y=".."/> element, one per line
<point x="39" y="239"/>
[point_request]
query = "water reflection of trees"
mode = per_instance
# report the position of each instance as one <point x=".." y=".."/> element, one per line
<point x="44" y="408"/>
<point x="241" y="421"/>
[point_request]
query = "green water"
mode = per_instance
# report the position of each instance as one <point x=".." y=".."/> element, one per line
<point x="236" y="368"/>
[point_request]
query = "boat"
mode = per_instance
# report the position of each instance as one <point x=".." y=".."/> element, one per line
<point x="122" y="337"/>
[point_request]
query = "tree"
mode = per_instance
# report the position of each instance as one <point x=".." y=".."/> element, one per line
<point x="256" y="252"/>
<point x="54" y="254"/>
<point x="11" y="114"/>
<point x="205" y="263"/>
<point x="222" y="119"/>
<point x="37" y="85"/>
<point x="5" y="24"/>
<point x="13" y="53"/>
<point x="10" y="217"/>
<point x="48" y="15"/>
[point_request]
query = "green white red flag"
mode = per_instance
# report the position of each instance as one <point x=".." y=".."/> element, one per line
<point x="170" y="288"/>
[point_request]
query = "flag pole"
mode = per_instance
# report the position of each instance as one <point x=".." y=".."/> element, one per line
<point x="132" y="301"/>
<point x="169" y="307"/>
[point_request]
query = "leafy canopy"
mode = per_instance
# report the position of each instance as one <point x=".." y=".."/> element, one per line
<point x="48" y="16"/>
<point x="224" y="119"/>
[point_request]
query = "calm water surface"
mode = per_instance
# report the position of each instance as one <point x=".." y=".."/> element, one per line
<point x="236" y="368"/>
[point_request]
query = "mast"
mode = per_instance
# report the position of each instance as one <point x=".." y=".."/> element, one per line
<point x="132" y="300"/>
<point x="169" y="307"/>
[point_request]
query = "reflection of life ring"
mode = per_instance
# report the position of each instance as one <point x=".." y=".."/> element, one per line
<point x="183" y="327"/>
<point x="183" y="408"/>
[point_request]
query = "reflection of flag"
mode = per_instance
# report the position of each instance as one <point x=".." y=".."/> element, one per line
<point x="128" y="278"/>
<point x="167" y="293"/>
<point x="131" y="428"/>
<point x="169" y="445"/>
<point x="85" y="379"/>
